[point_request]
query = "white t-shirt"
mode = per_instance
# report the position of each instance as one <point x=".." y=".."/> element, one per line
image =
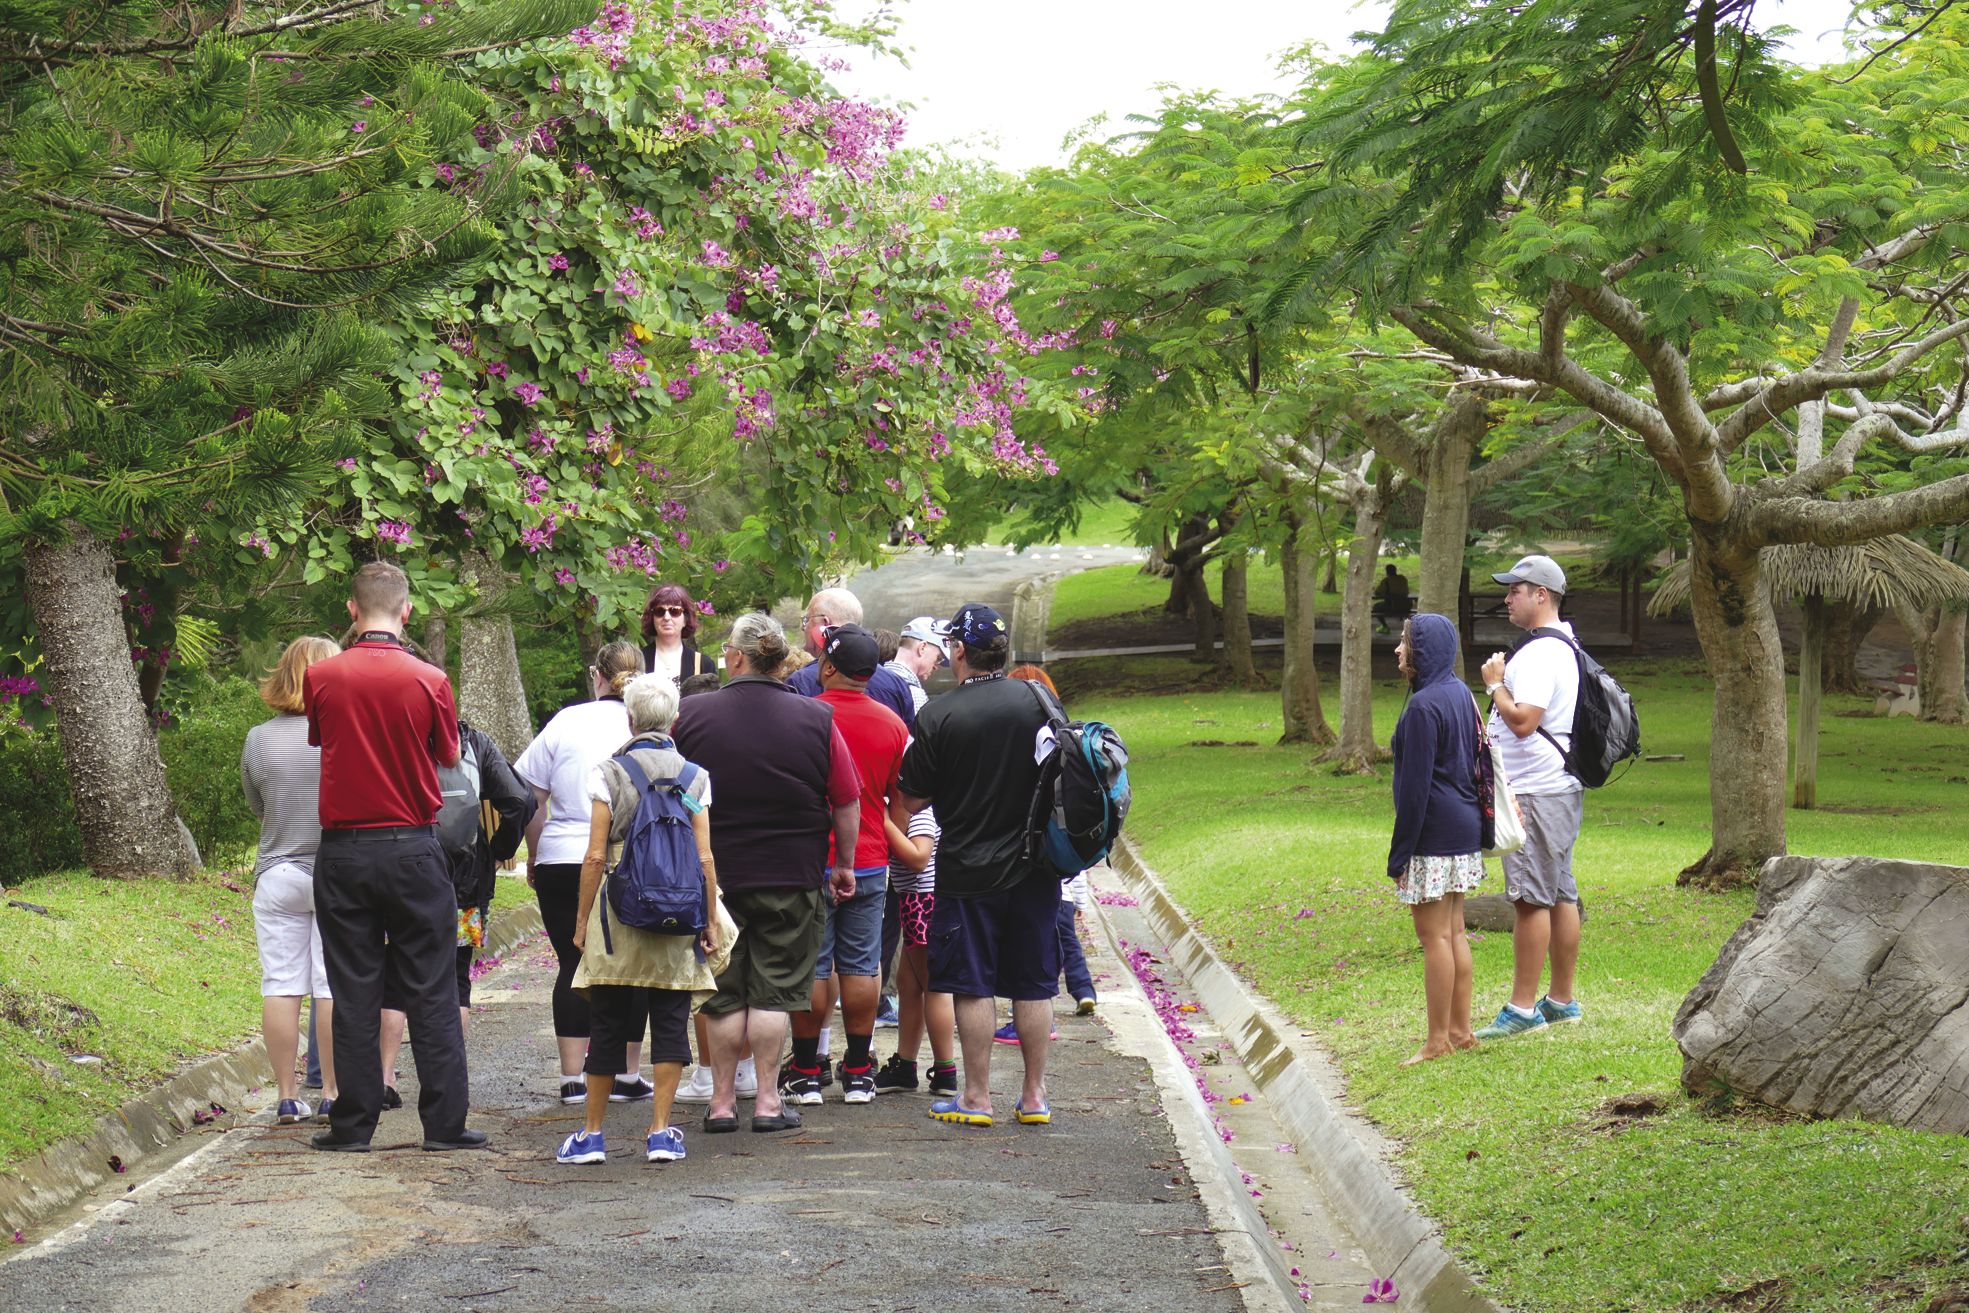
<point x="901" y="878"/>
<point x="1544" y="673"/>
<point x="558" y="760"/>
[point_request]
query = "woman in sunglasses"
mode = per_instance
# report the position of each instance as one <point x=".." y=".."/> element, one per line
<point x="669" y="624"/>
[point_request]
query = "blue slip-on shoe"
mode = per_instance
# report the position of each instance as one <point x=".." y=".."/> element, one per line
<point x="666" y="1145"/>
<point x="954" y="1111"/>
<point x="322" y="1109"/>
<point x="582" y="1147"/>
<point x="1559" y="1014"/>
<point x="1040" y="1116"/>
<point x="1509" y="1023"/>
<point x="293" y="1111"/>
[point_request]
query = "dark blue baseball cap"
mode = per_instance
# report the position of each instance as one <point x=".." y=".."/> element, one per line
<point x="851" y="649"/>
<point x="976" y="624"/>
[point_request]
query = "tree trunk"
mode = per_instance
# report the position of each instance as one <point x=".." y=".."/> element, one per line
<point x="1299" y="685"/>
<point x="588" y="635"/>
<point x="1446" y="506"/>
<point x="123" y="807"/>
<point x="490" y="692"/>
<point x="1738" y="628"/>
<point x="1357" y="752"/>
<point x="1941" y="677"/>
<point x="1811" y="672"/>
<point x="1847" y="626"/>
<point x="1203" y="615"/>
<point x="437" y="639"/>
<point x="1329" y="582"/>
<point x="1237" y="620"/>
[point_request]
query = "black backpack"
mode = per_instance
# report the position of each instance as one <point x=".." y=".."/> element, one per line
<point x="1606" y="729"/>
<point x="459" y="816"/>
<point x="1082" y="796"/>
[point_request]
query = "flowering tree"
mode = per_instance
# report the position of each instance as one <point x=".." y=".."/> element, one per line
<point x="721" y="272"/>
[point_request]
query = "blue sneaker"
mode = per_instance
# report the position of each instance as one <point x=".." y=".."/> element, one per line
<point x="1558" y="1014"/>
<point x="1009" y="1034"/>
<point x="886" y="1014"/>
<point x="1509" y="1023"/>
<point x="666" y="1145"/>
<point x="293" y="1112"/>
<point x="582" y="1147"/>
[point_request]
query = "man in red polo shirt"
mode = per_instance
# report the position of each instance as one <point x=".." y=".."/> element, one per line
<point x="385" y="722"/>
<point x="851" y="942"/>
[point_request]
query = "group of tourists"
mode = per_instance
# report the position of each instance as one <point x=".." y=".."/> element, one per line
<point x="1436" y="857"/>
<point x="861" y="846"/>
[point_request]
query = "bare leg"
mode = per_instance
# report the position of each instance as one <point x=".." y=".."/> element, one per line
<point x="1460" y="1034"/>
<point x="633" y="1062"/>
<point x="976" y="1019"/>
<point x="324" y="1045"/>
<point x="574" y="1053"/>
<point x="391" y="1042"/>
<point x="664" y="1076"/>
<point x="1565" y="951"/>
<point x="859" y="996"/>
<point x="703" y="1036"/>
<point x="940" y="1019"/>
<point x="1432" y="929"/>
<point x="280" y="1022"/>
<point x="730" y="1034"/>
<point x="910" y="998"/>
<point x="1529" y="942"/>
<point x="599" y="1088"/>
<point x="807" y="1025"/>
<point x="724" y="1039"/>
<point x="1034" y="1018"/>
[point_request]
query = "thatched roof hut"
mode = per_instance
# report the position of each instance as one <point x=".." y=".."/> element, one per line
<point x="1881" y="572"/>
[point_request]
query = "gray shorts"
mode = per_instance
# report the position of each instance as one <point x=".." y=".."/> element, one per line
<point x="1540" y="873"/>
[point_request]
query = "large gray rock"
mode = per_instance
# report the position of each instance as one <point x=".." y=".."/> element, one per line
<point x="1846" y="994"/>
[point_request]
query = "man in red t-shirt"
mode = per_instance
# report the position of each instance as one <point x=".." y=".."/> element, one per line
<point x="851" y="942"/>
<point x="385" y="722"/>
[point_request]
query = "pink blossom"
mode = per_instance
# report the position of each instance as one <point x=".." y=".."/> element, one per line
<point x="528" y="393"/>
<point x="394" y="531"/>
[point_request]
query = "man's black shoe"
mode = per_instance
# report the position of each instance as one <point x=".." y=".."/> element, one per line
<point x="329" y="1142"/>
<point x="466" y="1140"/>
<point x="391" y="1099"/>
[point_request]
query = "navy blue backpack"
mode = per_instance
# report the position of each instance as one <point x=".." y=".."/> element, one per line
<point x="658" y="885"/>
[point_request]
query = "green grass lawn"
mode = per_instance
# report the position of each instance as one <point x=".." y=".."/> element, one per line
<point x="1561" y="1208"/>
<point x="143" y="974"/>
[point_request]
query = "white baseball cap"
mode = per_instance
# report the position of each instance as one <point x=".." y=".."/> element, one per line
<point x="929" y="629"/>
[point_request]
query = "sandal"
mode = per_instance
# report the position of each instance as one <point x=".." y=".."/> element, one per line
<point x="954" y="1112"/>
<point x="1040" y="1116"/>
<point x="720" y="1125"/>
<point x="785" y="1120"/>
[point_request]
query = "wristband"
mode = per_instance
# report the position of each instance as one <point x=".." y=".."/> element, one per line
<point x="1490" y="690"/>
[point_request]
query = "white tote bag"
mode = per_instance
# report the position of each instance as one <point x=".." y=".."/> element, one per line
<point x="1508" y="823"/>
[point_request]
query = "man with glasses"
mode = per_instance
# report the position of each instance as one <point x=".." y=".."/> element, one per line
<point x="838" y="606"/>
<point x="1533" y="690"/>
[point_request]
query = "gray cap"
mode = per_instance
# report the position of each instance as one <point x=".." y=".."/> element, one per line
<point x="929" y="629"/>
<point x="1540" y="570"/>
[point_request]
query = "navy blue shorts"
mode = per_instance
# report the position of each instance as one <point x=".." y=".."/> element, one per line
<point x="1002" y="945"/>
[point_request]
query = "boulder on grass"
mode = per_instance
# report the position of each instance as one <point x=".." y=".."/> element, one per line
<point x="1846" y="994"/>
<point x="1498" y="914"/>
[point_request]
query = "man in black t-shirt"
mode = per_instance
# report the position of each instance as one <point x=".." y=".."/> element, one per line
<point x="992" y="933"/>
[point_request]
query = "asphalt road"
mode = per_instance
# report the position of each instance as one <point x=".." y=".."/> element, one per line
<point x="873" y="1207"/>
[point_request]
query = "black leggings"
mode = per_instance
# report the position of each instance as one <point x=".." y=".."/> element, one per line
<point x="557" y="886"/>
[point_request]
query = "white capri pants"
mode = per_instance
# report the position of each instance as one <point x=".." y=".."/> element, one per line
<point x="291" y="964"/>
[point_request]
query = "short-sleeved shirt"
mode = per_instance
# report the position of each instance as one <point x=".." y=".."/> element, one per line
<point x="973" y="755"/>
<point x="281" y="773"/>
<point x="876" y="738"/>
<point x="558" y="761"/>
<point x="1543" y="673"/>
<point x="885" y="686"/>
<point x="383" y="720"/>
<point x="901" y="878"/>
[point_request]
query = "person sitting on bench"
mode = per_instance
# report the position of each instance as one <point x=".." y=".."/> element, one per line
<point x="1390" y="599"/>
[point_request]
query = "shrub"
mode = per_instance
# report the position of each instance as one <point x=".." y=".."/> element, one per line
<point x="37" y="812"/>
<point x="201" y="760"/>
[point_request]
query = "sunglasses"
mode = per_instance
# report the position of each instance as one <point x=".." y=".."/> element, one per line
<point x="667" y="610"/>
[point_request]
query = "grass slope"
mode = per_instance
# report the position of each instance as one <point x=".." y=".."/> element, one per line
<point x="1562" y="1207"/>
<point x="143" y="974"/>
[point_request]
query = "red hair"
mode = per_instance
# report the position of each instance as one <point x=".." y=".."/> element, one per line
<point x="1035" y="675"/>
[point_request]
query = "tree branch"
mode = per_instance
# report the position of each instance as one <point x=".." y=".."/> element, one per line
<point x="1812" y="384"/>
<point x="1842" y="523"/>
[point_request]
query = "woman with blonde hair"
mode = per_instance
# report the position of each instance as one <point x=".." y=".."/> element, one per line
<point x="556" y="766"/>
<point x="281" y="774"/>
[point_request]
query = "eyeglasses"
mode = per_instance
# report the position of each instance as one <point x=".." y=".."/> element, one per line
<point x="825" y="621"/>
<point x="677" y="611"/>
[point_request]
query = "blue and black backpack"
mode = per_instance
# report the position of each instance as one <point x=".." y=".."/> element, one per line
<point x="658" y="885"/>
<point x="1082" y="797"/>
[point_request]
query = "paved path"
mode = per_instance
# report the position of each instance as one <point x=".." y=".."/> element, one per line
<point x="869" y="1208"/>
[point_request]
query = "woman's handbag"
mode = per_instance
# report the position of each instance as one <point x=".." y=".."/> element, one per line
<point x="1503" y="823"/>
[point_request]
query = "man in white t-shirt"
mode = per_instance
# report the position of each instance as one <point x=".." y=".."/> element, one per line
<point x="1533" y="691"/>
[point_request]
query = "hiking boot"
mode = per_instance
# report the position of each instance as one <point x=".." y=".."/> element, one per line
<point x="633" y="1090"/>
<point x="943" y="1080"/>
<point x="1558" y="1014"/>
<point x="898" y="1076"/>
<point x="582" y="1147"/>
<point x="698" y="1088"/>
<point x="1509" y="1023"/>
<point x="800" y="1085"/>
<point x="858" y="1084"/>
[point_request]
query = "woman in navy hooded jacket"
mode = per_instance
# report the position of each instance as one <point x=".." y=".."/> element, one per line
<point x="1436" y="854"/>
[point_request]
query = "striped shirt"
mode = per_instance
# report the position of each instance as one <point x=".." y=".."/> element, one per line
<point x="282" y="777"/>
<point x="901" y="878"/>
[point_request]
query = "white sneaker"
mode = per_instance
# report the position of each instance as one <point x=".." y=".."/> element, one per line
<point x="697" y="1089"/>
<point x="748" y="1079"/>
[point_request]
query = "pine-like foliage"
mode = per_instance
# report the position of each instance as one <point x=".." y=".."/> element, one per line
<point x="199" y="203"/>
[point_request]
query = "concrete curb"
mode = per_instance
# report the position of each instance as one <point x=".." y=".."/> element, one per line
<point x="1350" y="1158"/>
<point x="1032" y="607"/>
<point x="34" y="1190"/>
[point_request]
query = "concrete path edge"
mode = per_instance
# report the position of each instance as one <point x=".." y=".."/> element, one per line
<point x="1351" y="1159"/>
<point x="39" y="1187"/>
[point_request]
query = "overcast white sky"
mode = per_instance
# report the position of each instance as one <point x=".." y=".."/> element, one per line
<point x="1011" y="79"/>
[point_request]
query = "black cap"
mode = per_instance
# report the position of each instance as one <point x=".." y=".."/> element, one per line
<point x="851" y="649"/>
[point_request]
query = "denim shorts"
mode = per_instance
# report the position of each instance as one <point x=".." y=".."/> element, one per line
<point x="854" y="929"/>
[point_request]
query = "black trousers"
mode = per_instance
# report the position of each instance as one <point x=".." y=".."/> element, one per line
<point x="370" y="884"/>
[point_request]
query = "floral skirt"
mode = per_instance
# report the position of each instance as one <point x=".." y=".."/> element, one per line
<point x="1428" y="879"/>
